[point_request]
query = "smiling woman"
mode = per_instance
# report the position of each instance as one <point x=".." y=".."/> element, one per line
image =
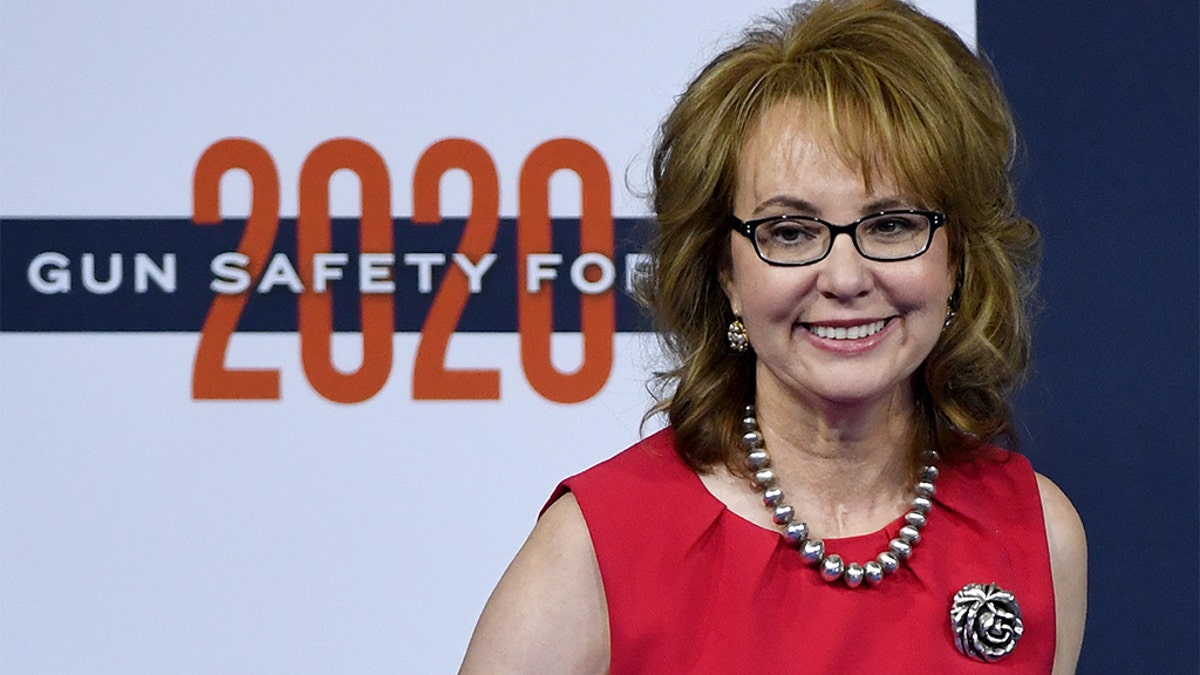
<point x="875" y="366"/>
<point x="801" y="318"/>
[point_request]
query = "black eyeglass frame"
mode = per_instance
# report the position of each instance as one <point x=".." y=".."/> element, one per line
<point x="747" y="228"/>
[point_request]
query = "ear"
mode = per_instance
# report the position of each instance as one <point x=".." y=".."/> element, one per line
<point x="957" y="274"/>
<point x="729" y="285"/>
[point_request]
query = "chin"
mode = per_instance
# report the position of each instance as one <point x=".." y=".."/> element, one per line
<point x="857" y="385"/>
<point x="853" y="396"/>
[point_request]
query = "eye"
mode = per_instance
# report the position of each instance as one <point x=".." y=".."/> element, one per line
<point x="790" y="232"/>
<point x="894" y="225"/>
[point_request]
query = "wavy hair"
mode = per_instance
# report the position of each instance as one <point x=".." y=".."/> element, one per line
<point x="903" y="96"/>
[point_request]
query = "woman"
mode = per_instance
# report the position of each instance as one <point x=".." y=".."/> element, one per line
<point x="841" y="277"/>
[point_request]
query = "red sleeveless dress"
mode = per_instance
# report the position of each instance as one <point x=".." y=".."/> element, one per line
<point x="694" y="588"/>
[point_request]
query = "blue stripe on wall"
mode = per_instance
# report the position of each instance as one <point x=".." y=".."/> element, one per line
<point x="24" y="308"/>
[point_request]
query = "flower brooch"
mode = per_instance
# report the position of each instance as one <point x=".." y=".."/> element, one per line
<point x="986" y="621"/>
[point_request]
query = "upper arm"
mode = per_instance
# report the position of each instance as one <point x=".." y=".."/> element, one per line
<point x="1068" y="566"/>
<point x="548" y="613"/>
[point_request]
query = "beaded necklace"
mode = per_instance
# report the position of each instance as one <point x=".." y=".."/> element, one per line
<point x="812" y="550"/>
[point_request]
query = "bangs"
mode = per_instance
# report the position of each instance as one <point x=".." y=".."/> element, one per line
<point x="873" y="123"/>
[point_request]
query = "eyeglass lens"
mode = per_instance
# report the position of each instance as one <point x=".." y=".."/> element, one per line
<point x="891" y="236"/>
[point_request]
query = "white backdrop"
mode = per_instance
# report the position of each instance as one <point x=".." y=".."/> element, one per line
<point x="144" y="531"/>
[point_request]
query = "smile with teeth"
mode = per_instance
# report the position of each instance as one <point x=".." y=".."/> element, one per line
<point x="847" y="332"/>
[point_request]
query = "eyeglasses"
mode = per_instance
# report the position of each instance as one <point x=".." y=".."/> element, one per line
<point x="886" y="236"/>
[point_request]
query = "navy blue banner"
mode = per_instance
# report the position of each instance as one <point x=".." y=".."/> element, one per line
<point x="59" y="275"/>
<point x="1106" y="97"/>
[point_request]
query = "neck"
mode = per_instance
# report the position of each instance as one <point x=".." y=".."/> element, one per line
<point x="847" y="467"/>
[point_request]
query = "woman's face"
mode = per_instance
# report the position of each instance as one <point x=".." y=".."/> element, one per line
<point x="794" y="315"/>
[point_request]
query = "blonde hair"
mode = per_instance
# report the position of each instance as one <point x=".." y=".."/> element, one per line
<point x="902" y="95"/>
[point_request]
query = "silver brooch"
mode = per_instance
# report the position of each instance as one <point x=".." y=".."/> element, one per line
<point x="986" y="621"/>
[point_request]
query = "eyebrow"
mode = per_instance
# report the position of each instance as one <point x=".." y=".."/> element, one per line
<point x="808" y="208"/>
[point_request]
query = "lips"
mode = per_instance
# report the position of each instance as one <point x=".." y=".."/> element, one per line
<point x="852" y="332"/>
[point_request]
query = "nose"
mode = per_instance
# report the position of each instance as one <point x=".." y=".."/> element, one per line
<point x="844" y="273"/>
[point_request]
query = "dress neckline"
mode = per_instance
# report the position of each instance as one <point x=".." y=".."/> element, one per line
<point x="850" y="543"/>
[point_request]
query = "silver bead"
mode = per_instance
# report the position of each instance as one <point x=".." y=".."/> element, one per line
<point x="872" y="572"/>
<point x="854" y="574"/>
<point x="772" y="496"/>
<point x="757" y="459"/>
<point x="926" y="489"/>
<point x="915" y="518"/>
<point x="922" y="504"/>
<point x="752" y="439"/>
<point x="782" y="514"/>
<point x="795" y="532"/>
<point x="812" y="551"/>
<point x="751" y="411"/>
<point x="931" y="457"/>
<point x="929" y="473"/>
<point x="901" y="548"/>
<point x="749" y="424"/>
<point x="910" y="534"/>
<point x="764" y="478"/>
<point x="831" y="567"/>
<point x="888" y="561"/>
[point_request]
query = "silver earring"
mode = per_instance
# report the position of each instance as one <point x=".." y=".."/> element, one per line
<point x="950" y="314"/>
<point x="738" y="340"/>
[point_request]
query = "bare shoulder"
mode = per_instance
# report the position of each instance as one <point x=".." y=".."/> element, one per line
<point x="548" y="613"/>
<point x="1068" y="566"/>
<point x="1064" y="529"/>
